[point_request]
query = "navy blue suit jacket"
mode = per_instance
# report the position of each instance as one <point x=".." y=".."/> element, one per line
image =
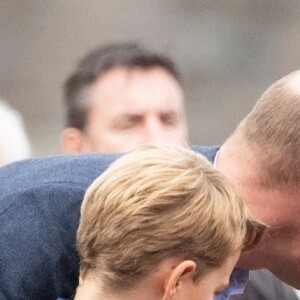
<point x="39" y="212"/>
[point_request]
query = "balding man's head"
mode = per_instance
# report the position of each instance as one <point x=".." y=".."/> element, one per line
<point x="270" y="134"/>
<point x="292" y="82"/>
<point x="262" y="159"/>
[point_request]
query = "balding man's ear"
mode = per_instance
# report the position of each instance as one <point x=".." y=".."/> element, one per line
<point x="72" y="140"/>
<point x="174" y="283"/>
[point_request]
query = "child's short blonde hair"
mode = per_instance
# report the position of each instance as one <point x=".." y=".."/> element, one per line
<point x="155" y="203"/>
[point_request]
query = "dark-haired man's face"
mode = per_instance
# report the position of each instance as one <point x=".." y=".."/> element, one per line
<point x="134" y="107"/>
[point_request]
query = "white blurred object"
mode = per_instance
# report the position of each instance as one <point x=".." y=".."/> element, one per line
<point x="14" y="143"/>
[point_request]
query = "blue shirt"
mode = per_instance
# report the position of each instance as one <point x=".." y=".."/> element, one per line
<point x="237" y="284"/>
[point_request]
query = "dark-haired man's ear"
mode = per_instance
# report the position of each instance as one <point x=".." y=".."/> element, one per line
<point x="72" y="140"/>
<point x="174" y="283"/>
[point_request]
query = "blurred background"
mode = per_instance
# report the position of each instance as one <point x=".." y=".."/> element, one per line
<point x="228" y="53"/>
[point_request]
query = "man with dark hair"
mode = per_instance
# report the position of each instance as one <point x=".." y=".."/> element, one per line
<point x="122" y="96"/>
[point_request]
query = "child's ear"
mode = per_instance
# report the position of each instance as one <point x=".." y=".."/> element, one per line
<point x="183" y="269"/>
